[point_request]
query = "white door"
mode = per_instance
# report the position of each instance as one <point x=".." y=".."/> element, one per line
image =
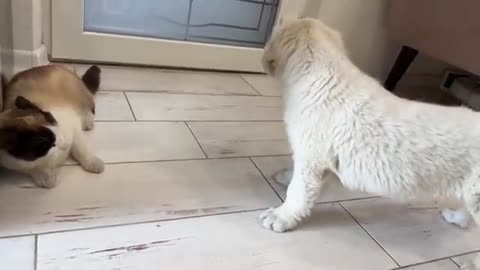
<point x="204" y="34"/>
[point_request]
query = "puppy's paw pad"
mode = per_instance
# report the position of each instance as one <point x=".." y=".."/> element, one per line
<point x="457" y="218"/>
<point x="274" y="219"/>
<point x="284" y="177"/>
<point x="95" y="165"/>
<point x="469" y="266"/>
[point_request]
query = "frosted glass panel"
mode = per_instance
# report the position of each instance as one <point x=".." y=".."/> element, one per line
<point x="233" y="22"/>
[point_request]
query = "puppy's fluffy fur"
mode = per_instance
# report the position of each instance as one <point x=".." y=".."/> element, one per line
<point x="46" y="110"/>
<point x="340" y="120"/>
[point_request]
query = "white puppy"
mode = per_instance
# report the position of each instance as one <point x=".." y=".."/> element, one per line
<point x="340" y="120"/>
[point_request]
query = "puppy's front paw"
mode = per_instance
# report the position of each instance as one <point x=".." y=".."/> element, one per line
<point x="458" y="218"/>
<point x="278" y="220"/>
<point x="45" y="179"/>
<point x="94" y="165"/>
<point x="469" y="266"/>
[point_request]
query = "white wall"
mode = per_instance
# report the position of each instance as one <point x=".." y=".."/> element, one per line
<point x="6" y="38"/>
<point x="363" y="24"/>
<point x="21" y="35"/>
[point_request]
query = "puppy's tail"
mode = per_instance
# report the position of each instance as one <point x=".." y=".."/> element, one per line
<point x="91" y="79"/>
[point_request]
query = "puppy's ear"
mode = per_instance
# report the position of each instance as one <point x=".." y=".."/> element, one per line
<point x="269" y="62"/>
<point x="25" y="104"/>
<point x="270" y="66"/>
<point x="284" y="20"/>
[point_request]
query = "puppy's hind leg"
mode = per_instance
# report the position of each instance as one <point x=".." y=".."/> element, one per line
<point x="460" y="217"/>
<point x="472" y="202"/>
<point x="306" y="183"/>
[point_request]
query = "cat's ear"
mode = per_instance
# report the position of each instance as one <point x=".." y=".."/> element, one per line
<point x="25" y="104"/>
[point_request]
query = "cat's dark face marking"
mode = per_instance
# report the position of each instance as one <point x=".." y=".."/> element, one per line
<point x="25" y="105"/>
<point x="24" y="133"/>
<point x="29" y="143"/>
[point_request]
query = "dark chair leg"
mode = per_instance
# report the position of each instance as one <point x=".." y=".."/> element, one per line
<point x="403" y="61"/>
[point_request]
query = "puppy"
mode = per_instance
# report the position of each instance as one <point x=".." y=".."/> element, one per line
<point x="340" y="120"/>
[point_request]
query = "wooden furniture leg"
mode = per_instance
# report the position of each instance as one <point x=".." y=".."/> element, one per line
<point x="403" y="61"/>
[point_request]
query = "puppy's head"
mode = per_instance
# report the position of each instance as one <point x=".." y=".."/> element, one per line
<point x="302" y="36"/>
<point x="26" y="131"/>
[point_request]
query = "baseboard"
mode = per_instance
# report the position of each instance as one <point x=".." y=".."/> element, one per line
<point x="22" y="60"/>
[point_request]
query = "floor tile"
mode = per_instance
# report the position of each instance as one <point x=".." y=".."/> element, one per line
<point x="234" y="241"/>
<point x="439" y="265"/>
<point x="412" y="233"/>
<point x="18" y="253"/>
<point x="112" y="106"/>
<point x="466" y="259"/>
<point x="333" y="192"/>
<point x="229" y="139"/>
<point x="264" y="84"/>
<point x="143" y="141"/>
<point x="168" y="81"/>
<point x="154" y="106"/>
<point x="136" y="192"/>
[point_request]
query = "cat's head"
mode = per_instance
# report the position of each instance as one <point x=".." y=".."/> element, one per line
<point x="26" y="131"/>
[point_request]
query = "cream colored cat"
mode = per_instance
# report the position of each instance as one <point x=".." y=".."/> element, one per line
<point x="47" y="109"/>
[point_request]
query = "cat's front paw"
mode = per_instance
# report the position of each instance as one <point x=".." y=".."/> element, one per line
<point x="278" y="220"/>
<point x="94" y="165"/>
<point x="89" y="122"/>
<point x="88" y="126"/>
<point x="44" y="179"/>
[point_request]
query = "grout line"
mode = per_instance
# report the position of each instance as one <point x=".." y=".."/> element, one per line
<point x="168" y="92"/>
<point x="194" y="137"/>
<point x="35" y="250"/>
<point x="368" y="233"/>
<point x="130" y="106"/>
<point x="161" y="220"/>
<point x="175" y="160"/>
<point x="348" y="200"/>
<point x="139" y="67"/>
<point x="164" y="220"/>
<point x="115" y="121"/>
<point x="454" y="262"/>
<point x="419" y="264"/>
<point x="432" y="261"/>
<point x="266" y="180"/>
<point x="196" y="121"/>
<point x="254" y="89"/>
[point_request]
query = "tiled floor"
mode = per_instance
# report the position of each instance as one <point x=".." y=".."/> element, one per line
<point x="190" y="163"/>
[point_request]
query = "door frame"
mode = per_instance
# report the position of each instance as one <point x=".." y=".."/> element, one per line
<point x="70" y="42"/>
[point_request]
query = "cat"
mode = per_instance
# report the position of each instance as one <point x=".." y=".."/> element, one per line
<point x="47" y="109"/>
